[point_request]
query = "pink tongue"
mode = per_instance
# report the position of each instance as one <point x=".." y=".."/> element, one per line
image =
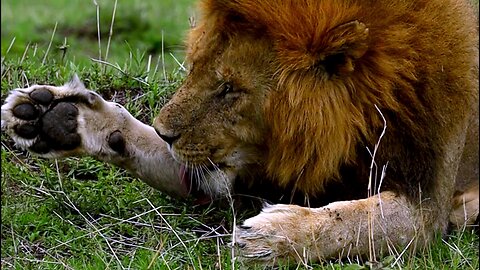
<point x="185" y="180"/>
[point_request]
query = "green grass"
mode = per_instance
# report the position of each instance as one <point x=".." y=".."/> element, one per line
<point x="84" y="214"/>
<point x="139" y="27"/>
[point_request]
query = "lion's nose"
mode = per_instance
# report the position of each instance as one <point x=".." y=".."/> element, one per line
<point x="168" y="138"/>
<point x="167" y="128"/>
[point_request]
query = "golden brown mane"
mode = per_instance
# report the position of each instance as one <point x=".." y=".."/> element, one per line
<point x="322" y="110"/>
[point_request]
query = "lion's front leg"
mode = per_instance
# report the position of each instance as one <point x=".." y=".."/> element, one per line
<point x="69" y="120"/>
<point x="367" y="227"/>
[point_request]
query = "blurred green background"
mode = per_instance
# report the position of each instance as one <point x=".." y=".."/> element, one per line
<point x="140" y="26"/>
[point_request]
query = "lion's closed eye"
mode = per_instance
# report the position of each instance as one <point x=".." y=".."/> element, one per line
<point x="229" y="92"/>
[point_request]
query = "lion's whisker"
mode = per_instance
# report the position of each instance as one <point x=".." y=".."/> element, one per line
<point x="204" y="181"/>
<point x="198" y="177"/>
<point x="190" y="176"/>
<point x="222" y="178"/>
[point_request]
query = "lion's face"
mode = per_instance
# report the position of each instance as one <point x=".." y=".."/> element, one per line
<point x="263" y="99"/>
<point x="214" y="123"/>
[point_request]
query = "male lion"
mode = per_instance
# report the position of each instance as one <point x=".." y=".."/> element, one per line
<point x="308" y="99"/>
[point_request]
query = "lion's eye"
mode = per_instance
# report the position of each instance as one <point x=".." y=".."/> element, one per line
<point x="226" y="88"/>
<point x="228" y="92"/>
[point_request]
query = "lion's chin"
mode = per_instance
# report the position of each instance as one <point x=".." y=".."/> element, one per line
<point x="191" y="188"/>
<point x="204" y="184"/>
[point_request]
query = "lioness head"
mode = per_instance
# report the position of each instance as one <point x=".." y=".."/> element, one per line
<point x="270" y="96"/>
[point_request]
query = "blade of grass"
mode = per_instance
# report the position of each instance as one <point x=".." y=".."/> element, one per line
<point x="49" y="44"/>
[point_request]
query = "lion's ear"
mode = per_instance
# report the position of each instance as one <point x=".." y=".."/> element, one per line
<point x="344" y="45"/>
<point x="319" y="47"/>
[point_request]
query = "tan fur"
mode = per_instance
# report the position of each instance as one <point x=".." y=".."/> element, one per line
<point x="339" y="229"/>
<point x="465" y="207"/>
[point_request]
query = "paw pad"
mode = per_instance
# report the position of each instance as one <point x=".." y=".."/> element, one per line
<point x="27" y="131"/>
<point x="42" y="96"/>
<point x="48" y="123"/>
<point x="25" y="111"/>
<point x="59" y="127"/>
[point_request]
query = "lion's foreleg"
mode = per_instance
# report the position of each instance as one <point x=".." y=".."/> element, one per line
<point x="69" y="120"/>
<point x="380" y="224"/>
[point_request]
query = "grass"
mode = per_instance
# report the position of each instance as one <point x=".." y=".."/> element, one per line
<point x="139" y="27"/>
<point x="84" y="214"/>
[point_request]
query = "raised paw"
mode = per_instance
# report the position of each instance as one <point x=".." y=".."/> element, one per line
<point x="45" y="119"/>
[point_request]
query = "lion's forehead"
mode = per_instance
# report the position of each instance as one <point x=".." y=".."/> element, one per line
<point x="228" y="53"/>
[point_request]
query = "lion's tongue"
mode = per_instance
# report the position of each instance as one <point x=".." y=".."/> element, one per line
<point x="186" y="182"/>
<point x="184" y="178"/>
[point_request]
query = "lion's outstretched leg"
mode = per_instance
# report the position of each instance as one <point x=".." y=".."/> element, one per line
<point x="69" y="120"/>
<point x="465" y="207"/>
<point x="377" y="225"/>
<point x="465" y="202"/>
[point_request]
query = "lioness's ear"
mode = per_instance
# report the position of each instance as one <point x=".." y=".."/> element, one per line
<point x="344" y="44"/>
